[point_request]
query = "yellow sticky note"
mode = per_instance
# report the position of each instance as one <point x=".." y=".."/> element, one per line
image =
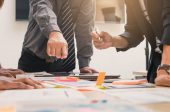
<point x="100" y="78"/>
<point x="8" y="109"/>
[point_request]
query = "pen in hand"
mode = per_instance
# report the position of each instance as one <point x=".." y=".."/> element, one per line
<point x="98" y="33"/>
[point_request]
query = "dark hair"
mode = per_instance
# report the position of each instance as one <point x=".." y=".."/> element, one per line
<point x="1" y="3"/>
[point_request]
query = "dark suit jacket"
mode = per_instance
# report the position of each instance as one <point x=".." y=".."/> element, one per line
<point x="138" y="27"/>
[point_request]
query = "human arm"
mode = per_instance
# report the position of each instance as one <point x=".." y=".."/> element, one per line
<point x="24" y="83"/>
<point x="10" y="72"/>
<point x="163" y="78"/>
<point x="42" y="12"/>
<point x="130" y="38"/>
<point x="83" y="29"/>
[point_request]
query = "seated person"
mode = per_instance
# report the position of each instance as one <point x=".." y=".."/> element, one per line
<point x="7" y="83"/>
<point x="7" y="80"/>
<point x="10" y="72"/>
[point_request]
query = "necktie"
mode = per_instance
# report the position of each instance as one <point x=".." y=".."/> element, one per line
<point x="67" y="28"/>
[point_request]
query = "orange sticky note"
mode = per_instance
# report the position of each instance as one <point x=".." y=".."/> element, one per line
<point x="100" y="78"/>
<point x="66" y="79"/>
<point x="129" y="82"/>
<point x="8" y="109"/>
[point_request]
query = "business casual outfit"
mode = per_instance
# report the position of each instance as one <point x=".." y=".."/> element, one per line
<point x="150" y="19"/>
<point x="73" y="18"/>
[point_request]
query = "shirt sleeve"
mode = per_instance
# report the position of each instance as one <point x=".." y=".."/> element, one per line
<point x="166" y="22"/>
<point x="132" y="32"/>
<point x="83" y="29"/>
<point x="42" y="11"/>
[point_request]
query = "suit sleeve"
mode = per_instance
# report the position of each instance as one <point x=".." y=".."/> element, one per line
<point x="83" y="29"/>
<point x="166" y="22"/>
<point x="42" y="11"/>
<point x="132" y="32"/>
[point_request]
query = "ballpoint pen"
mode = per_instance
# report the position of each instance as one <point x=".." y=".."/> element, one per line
<point x="98" y="32"/>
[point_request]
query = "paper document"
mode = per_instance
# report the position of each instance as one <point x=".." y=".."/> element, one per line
<point x="82" y="106"/>
<point x="80" y="83"/>
<point x="143" y="96"/>
<point x="111" y="86"/>
<point x="40" y="95"/>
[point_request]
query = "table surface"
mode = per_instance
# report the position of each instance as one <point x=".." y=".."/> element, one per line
<point x="155" y="107"/>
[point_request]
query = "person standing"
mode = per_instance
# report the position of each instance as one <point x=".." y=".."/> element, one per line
<point x="49" y="40"/>
<point x="148" y="19"/>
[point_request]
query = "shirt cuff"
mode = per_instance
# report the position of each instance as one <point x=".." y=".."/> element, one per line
<point x="125" y="36"/>
<point x="51" y="28"/>
<point x="84" y="62"/>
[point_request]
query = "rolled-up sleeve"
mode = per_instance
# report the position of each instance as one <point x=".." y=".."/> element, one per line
<point x="42" y="12"/>
<point x="166" y="22"/>
<point x="83" y="29"/>
<point x="132" y="32"/>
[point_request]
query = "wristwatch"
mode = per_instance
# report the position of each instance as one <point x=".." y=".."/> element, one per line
<point x="165" y="67"/>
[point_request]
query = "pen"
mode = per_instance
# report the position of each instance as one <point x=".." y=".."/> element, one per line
<point x="98" y="33"/>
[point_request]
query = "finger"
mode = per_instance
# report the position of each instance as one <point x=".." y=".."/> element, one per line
<point x="7" y="74"/>
<point x="11" y="69"/>
<point x="38" y="83"/>
<point x="103" y="34"/>
<point x="98" y="42"/>
<point x="17" y="85"/>
<point x="95" y="37"/>
<point x="162" y="81"/>
<point x="14" y="73"/>
<point x="99" y="45"/>
<point x="52" y="50"/>
<point x="48" y="50"/>
<point x="94" y="71"/>
<point x="64" y="52"/>
<point x="58" y="52"/>
<point x="86" y="71"/>
<point x="29" y="82"/>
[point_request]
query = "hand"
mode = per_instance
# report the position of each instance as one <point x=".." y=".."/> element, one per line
<point x="25" y="83"/>
<point x="163" y="79"/>
<point x="88" y="70"/>
<point x="30" y="82"/>
<point x="102" y="40"/>
<point x="57" y="46"/>
<point x="10" y="72"/>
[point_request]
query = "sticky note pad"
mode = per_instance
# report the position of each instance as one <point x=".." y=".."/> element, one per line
<point x="100" y="78"/>
<point x="130" y="82"/>
<point x="8" y="109"/>
<point x="66" y="79"/>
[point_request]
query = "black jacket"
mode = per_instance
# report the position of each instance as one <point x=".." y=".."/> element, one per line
<point x="138" y="27"/>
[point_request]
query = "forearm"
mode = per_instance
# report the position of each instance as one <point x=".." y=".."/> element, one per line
<point x="119" y="42"/>
<point x="84" y="27"/>
<point x="43" y="14"/>
<point x="166" y="54"/>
